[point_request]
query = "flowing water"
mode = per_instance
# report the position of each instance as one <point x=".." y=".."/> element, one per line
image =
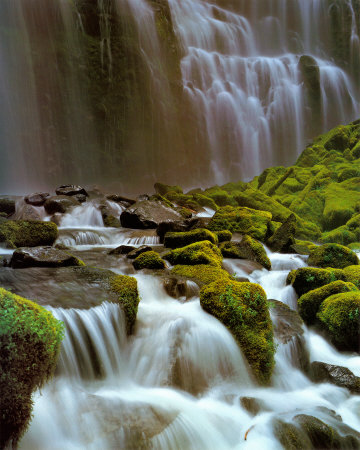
<point x="180" y="381"/>
<point x="104" y="98"/>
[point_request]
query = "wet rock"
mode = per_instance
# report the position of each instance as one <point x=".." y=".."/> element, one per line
<point x="251" y="405"/>
<point x="147" y="214"/>
<point x="81" y="198"/>
<point x="338" y="375"/>
<point x="284" y="237"/>
<point x="122" y="250"/>
<point x="42" y="257"/>
<point x="7" y="206"/>
<point x="29" y="212"/>
<point x="60" y="204"/>
<point x="170" y="226"/>
<point x="198" y="222"/>
<point x="142" y="197"/>
<point x="321" y="435"/>
<point x="175" y="287"/>
<point x="22" y="233"/>
<point x="149" y="260"/>
<point x="37" y="199"/>
<point x="247" y="248"/>
<point x="120" y="199"/>
<point x="291" y="437"/>
<point x="70" y="189"/>
<point x="137" y="251"/>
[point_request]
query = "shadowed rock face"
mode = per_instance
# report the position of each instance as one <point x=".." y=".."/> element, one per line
<point x="338" y="375"/>
<point x="147" y="214"/>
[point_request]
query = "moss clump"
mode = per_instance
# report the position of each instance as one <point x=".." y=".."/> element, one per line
<point x="352" y="274"/>
<point x="310" y="302"/>
<point x="201" y="274"/>
<point x="203" y="252"/>
<point x="340" y="314"/>
<point x="243" y="220"/>
<point x="30" y="339"/>
<point x="303" y="247"/>
<point x="23" y="233"/>
<point x="183" y="200"/>
<point x="341" y="200"/>
<point x="345" y="234"/>
<point x="220" y="196"/>
<point x="203" y="200"/>
<point x="149" y="260"/>
<point x="127" y="293"/>
<point x="332" y="255"/>
<point x="248" y="248"/>
<point x="223" y="235"/>
<point x="180" y="239"/>
<point x="307" y="279"/>
<point x="163" y="189"/>
<point x="243" y="309"/>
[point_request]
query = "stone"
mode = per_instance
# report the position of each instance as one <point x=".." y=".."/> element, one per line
<point x="284" y="237"/>
<point x="29" y="212"/>
<point x="42" y="257"/>
<point x="37" y="199"/>
<point x="60" y="204"/>
<point x="122" y="250"/>
<point x="338" y="375"/>
<point x="147" y="214"/>
<point x="170" y="226"/>
<point x="120" y="199"/>
<point x="137" y="251"/>
<point x="70" y="189"/>
<point x="7" y="205"/>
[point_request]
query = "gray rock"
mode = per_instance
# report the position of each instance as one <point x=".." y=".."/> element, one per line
<point x="42" y="257"/>
<point x="338" y="375"/>
<point x="137" y="251"/>
<point x="122" y="250"/>
<point x="60" y="204"/>
<point x="120" y="199"/>
<point x="29" y="212"/>
<point x="70" y="189"/>
<point x="147" y="214"/>
<point x="37" y="199"/>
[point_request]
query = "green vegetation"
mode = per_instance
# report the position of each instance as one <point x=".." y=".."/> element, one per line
<point x="332" y="255"/>
<point x="307" y="279"/>
<point x="203" y="252"/>
<point x="201" y="274"/>
<point x="352" y="274"/>
<point x="243" y="309"/>
<point x="248" y="248"/>
<point x="340" y="314"/>
<point x="181" y="239"/>
<point x="310" y="302"/>
<point x="30" y="339"/>
<point x="126" y="290"/>
<point x="23" y="233"/>
<point x="223" y="235"/>
<point x="149" y="260"/>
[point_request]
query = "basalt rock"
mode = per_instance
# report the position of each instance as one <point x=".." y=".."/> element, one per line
<point x="147" y="214"/>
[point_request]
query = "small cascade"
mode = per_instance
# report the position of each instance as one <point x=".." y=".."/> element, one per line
<point x="84" y="216"/>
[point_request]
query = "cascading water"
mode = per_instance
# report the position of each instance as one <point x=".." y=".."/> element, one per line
<point x="105" y="100"/>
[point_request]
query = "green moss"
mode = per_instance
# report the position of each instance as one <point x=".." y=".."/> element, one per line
<point x="346" y="234"/>
<point x="310" y="302"/>
<point x="220" y="196"/>
<point x="180" y="239"/>
<point x="307" y="279"/>
<point x="341" y="200"/>
<point x="201" y="274"/>
<point x="186" y="201"/>
<point x="332" y="255"/>
<point x="340" y="315"/>
<point x="23" y="233"/>
<point x="243" y="220"/>
<point x="243" y="309"/>
<point x="248" y="248"/>
<point x="149" y="260"/>
<point x="303" y="247"/>
<point x="355" y="246"/>
<point x="203" y="252"/>
<point x="203" y="200"/>
<point x="127" y="293"/>
<point x="352" y="274"/>
<point x="30" y="339"/>
<point x="223" y="235"/>
<point x="163" y="189"/>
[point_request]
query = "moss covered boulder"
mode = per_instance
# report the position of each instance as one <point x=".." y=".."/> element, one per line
<point x="345" y="234"/>
<point x="310" y="302"/>
<point x="30" y="341"/>
<point x="201" y="274"/>
<point x="340" y="316"/>
<point x="243" y="309"/>
<point x="307" y="279"/>
<point x="203" y="252"/>
<point x="162" y="189"/>
<point x="223" y="235"/>
<point x="247" y="248"/>
<point x="284" y="236"/>
<point x="352" y="274"/>
<point x="127" y="296"/>
<point x="332" y="255"/>
<point x="22" y="233"/>
<point x="242" y="220"/>
<point x="181" y="239"/>
<point x="149" y="260"/>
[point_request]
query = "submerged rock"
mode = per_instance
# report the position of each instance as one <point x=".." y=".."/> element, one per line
<point x="147" y="214"/>
<point x="338" y="375"/>
<point x="42" y="257"/>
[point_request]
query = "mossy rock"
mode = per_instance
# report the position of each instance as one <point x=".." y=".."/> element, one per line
<point x="162" y="189"/>
<point x="321" y="435"/>
<point x="352" y="274"/>
<point x="332" y="255"/>
<point x="23" y="233"/>
<point x="243" y="309"/>
<point x="7" y="206"/>
<point x="303" y="247"/>
<point x="355" y="246"/>
<point x="291" y="437"/>
<point x="149" y="260"/>
<point x="310" y="302"/>
<point x="307" y="279"/>
<point x="341" y="200"/>
<point x="127" y="295"/>
<point x="345" y="234"/>
<point x="242" y="220"/>
<point x="340" y="314"/>
<point x="220" y="196"/>
<point x="203" y="200"/>
<point x="284" y="236"/>
<point x="201" y="274"/>
<point x="181" y="239"/>
<point x="248" y="248"/>
<point x="223" y="235"/>
<point x="30" y="341"/>
<point x="185" y="201"/>
<point x="203" y="252"/>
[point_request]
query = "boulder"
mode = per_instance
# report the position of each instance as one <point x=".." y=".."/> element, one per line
<point x="332" y="255"/>
<point x="42" y="257"/>
<point x="147" y="214"/>
<point x="22" y="233"/>
<point x="171" y="226"/>
<point x="7" y="206"/>
<point x="37" y="199"/>
<point x="338" y="375"/>
<point x="247" y="248"/>
<point x="137" y="251"/>
<point x="29" y="212"/>
<point x="60" y="204"/>
<point x="121" y="199"/>
<point x="203" y="252"/>
<point x="149" y="260"/>
<point x="198" y="222"/>
<point x="70" y="189"/>
<point x="307" y="279"/>
<point x="321" y="435"/>
<point x="81" y="198"/>
<point x="122" y="250"/>
<point x="181" y="239"/>
<point x="284" y="237"/>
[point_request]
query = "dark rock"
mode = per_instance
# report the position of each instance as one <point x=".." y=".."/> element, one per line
<point x="42" y="257"/>
<point x="122" y="250"/>
<point x="170" y="226"/>
<point x="70" y="189"/>
<point x="284" y="236"/>
<point x="60" y="204"/>
<point x="142" y="197"/>
<point x="137" y="251"/>
<point x="338" y="375"/>
<point x="37" y="199"/>
<point x="321" y="435"/>
<point x="7" y="205"/>
<point x="291" y="437"/>
<point x="120" y="199"/>
<point x="81" y="198"/>
<point x="147" y="214"/>
<point x="251" y="405"/>
<point x="300" y="249"/>
<point x="174" y="287"/>
<point x="109" y="216"/>
<point x="198" y="222"/>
